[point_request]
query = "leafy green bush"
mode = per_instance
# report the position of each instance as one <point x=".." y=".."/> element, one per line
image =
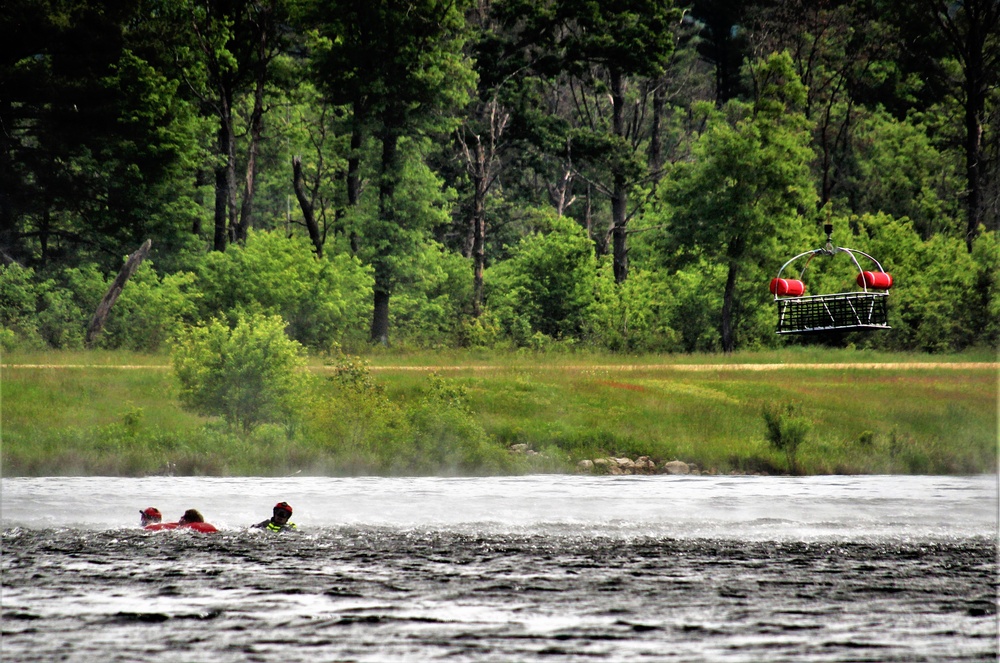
<point x="633" y="316"/>
<point x="150" y="311"/>
<point x="18" y="297"/>
<point x="324" y="301"/>
<point x="361" y="430"/>
<point x="248" y="375"/>
<point x="427" y="308"/>
<point x="933" y="305"/>
<point x="53" y="312"/>
<point x="547" y="285"/>
<point x="786" y="430"/>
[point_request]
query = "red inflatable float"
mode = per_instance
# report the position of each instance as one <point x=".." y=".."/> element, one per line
<point x="192" y="519"/>
<point x="204" y="528"/>
<point x="875" y="280"/>
<point x="787" y="287"/>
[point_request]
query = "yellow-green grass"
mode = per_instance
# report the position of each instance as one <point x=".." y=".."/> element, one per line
<point x="97" y="419"/>
<point x="864" y="420"/>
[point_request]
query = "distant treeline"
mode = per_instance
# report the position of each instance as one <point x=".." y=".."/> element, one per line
<point x="625" y="175"/>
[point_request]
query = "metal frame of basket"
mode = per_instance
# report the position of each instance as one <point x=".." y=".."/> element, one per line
<point x="842" y="311"/>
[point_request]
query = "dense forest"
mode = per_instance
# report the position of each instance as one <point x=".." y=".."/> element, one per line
<point x="619" y="174"/>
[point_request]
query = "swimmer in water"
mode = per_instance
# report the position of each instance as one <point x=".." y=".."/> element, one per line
<point x="279" y="521"/>
<point x="191" y="516"/>
<point x="192" y="519"/>
<point x="150" y="516"/>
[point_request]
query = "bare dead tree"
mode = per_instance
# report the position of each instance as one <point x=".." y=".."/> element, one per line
<point x="132" y="263"/>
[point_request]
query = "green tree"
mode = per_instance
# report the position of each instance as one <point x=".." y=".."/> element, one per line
<point x="547" y="286"/>
<point x="748" y="185"/>
<point x="400" y="66"/>
<point x="226" y="50"/>
<point x="323" y="300"/>
<point x="971" y="29"/>
<point x="900" y="172"/>
<point x="611" y="46"/>
<point x="249" y="375"/>
<point x="841" y="54"/>
<point x="940" y="296"/>
<point x="97" y="146"/>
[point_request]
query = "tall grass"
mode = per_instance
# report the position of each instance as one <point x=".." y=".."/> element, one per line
<point x="565" y="406"/>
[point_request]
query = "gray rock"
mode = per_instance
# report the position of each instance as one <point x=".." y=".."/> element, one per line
<point x="676" y="467"/>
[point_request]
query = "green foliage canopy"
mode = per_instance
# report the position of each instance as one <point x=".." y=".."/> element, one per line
<point x="248" y="375"/>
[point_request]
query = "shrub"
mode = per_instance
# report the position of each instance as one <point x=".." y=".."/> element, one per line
<point x="150" y="310"/>
<point x="427" y="307"/>
<point x="248" y="375"/>
<point x="547" y="286"/>
<point x="786" y="430"/>
<point x="633" y="316"/>
<point x="18" y="296"/>
<point x="323" y="300"/>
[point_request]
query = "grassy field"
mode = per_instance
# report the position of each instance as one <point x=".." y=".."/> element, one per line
<point x="82" y="413"/>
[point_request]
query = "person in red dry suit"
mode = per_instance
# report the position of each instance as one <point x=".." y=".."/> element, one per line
<point x="191" y="519"/>
<point x="149" y="516"/>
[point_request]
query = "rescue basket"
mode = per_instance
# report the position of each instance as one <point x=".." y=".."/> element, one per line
<point x="862" y="310"/>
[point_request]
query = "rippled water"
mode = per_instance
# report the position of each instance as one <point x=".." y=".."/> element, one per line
<point x="505" y="569"/>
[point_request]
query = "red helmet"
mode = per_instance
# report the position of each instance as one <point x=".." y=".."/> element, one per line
<point x="283" y="506"/>
<point x="151" y="512"/>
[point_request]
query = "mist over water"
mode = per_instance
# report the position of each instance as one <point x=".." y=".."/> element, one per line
<point x="504" y="569"/>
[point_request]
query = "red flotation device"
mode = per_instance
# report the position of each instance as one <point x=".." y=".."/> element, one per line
<point x="875" y="280"/>
<point x="787" y="287"/>
<point x="204" y="528"/>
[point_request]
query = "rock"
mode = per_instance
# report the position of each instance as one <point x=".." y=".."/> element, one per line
<point x="624" y="463"/>
<point x="601" y="462"/>
<point x="676" y="467"/>
<point x="585" y="466"/>
<point x="645" y="465"/>
<point x="519" y="448"/>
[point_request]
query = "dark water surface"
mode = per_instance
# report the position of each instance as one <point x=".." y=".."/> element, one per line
<point x="526" y="569"/>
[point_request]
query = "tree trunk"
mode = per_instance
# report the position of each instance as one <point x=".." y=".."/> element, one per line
<point x="478" y="246"/>
<point x="481" y="159"/>
<point x="253" y="150"/>
<point x="728" y="306"/>
<point x="264" y="28"/>
<point x="308" y="213"/>
<point x="975" y="105"/>
<point x="388" y="171"/>
<point x="656" y="132"/>
<point x="380" y="318"/>
<point x="104" y="308"/>
<point x="619" y="197"/>
<point x="354" y="172"/>
<point x="225" y="182"/>
<point x="971" y="41"/>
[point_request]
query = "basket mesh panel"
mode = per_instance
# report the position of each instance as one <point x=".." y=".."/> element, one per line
<point x="846" y="311"/>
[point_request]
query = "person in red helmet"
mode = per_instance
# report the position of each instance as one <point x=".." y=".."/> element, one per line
<point x="279" y="521"/>
<point x="149" y="516"/>
<point x="192" y="519"/>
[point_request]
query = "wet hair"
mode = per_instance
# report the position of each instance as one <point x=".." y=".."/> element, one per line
<point x="192" y="516"/>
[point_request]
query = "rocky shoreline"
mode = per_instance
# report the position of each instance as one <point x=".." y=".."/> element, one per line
<point x="641" y="465"/>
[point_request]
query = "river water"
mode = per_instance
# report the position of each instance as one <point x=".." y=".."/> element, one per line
<point x="539" y="568"/>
